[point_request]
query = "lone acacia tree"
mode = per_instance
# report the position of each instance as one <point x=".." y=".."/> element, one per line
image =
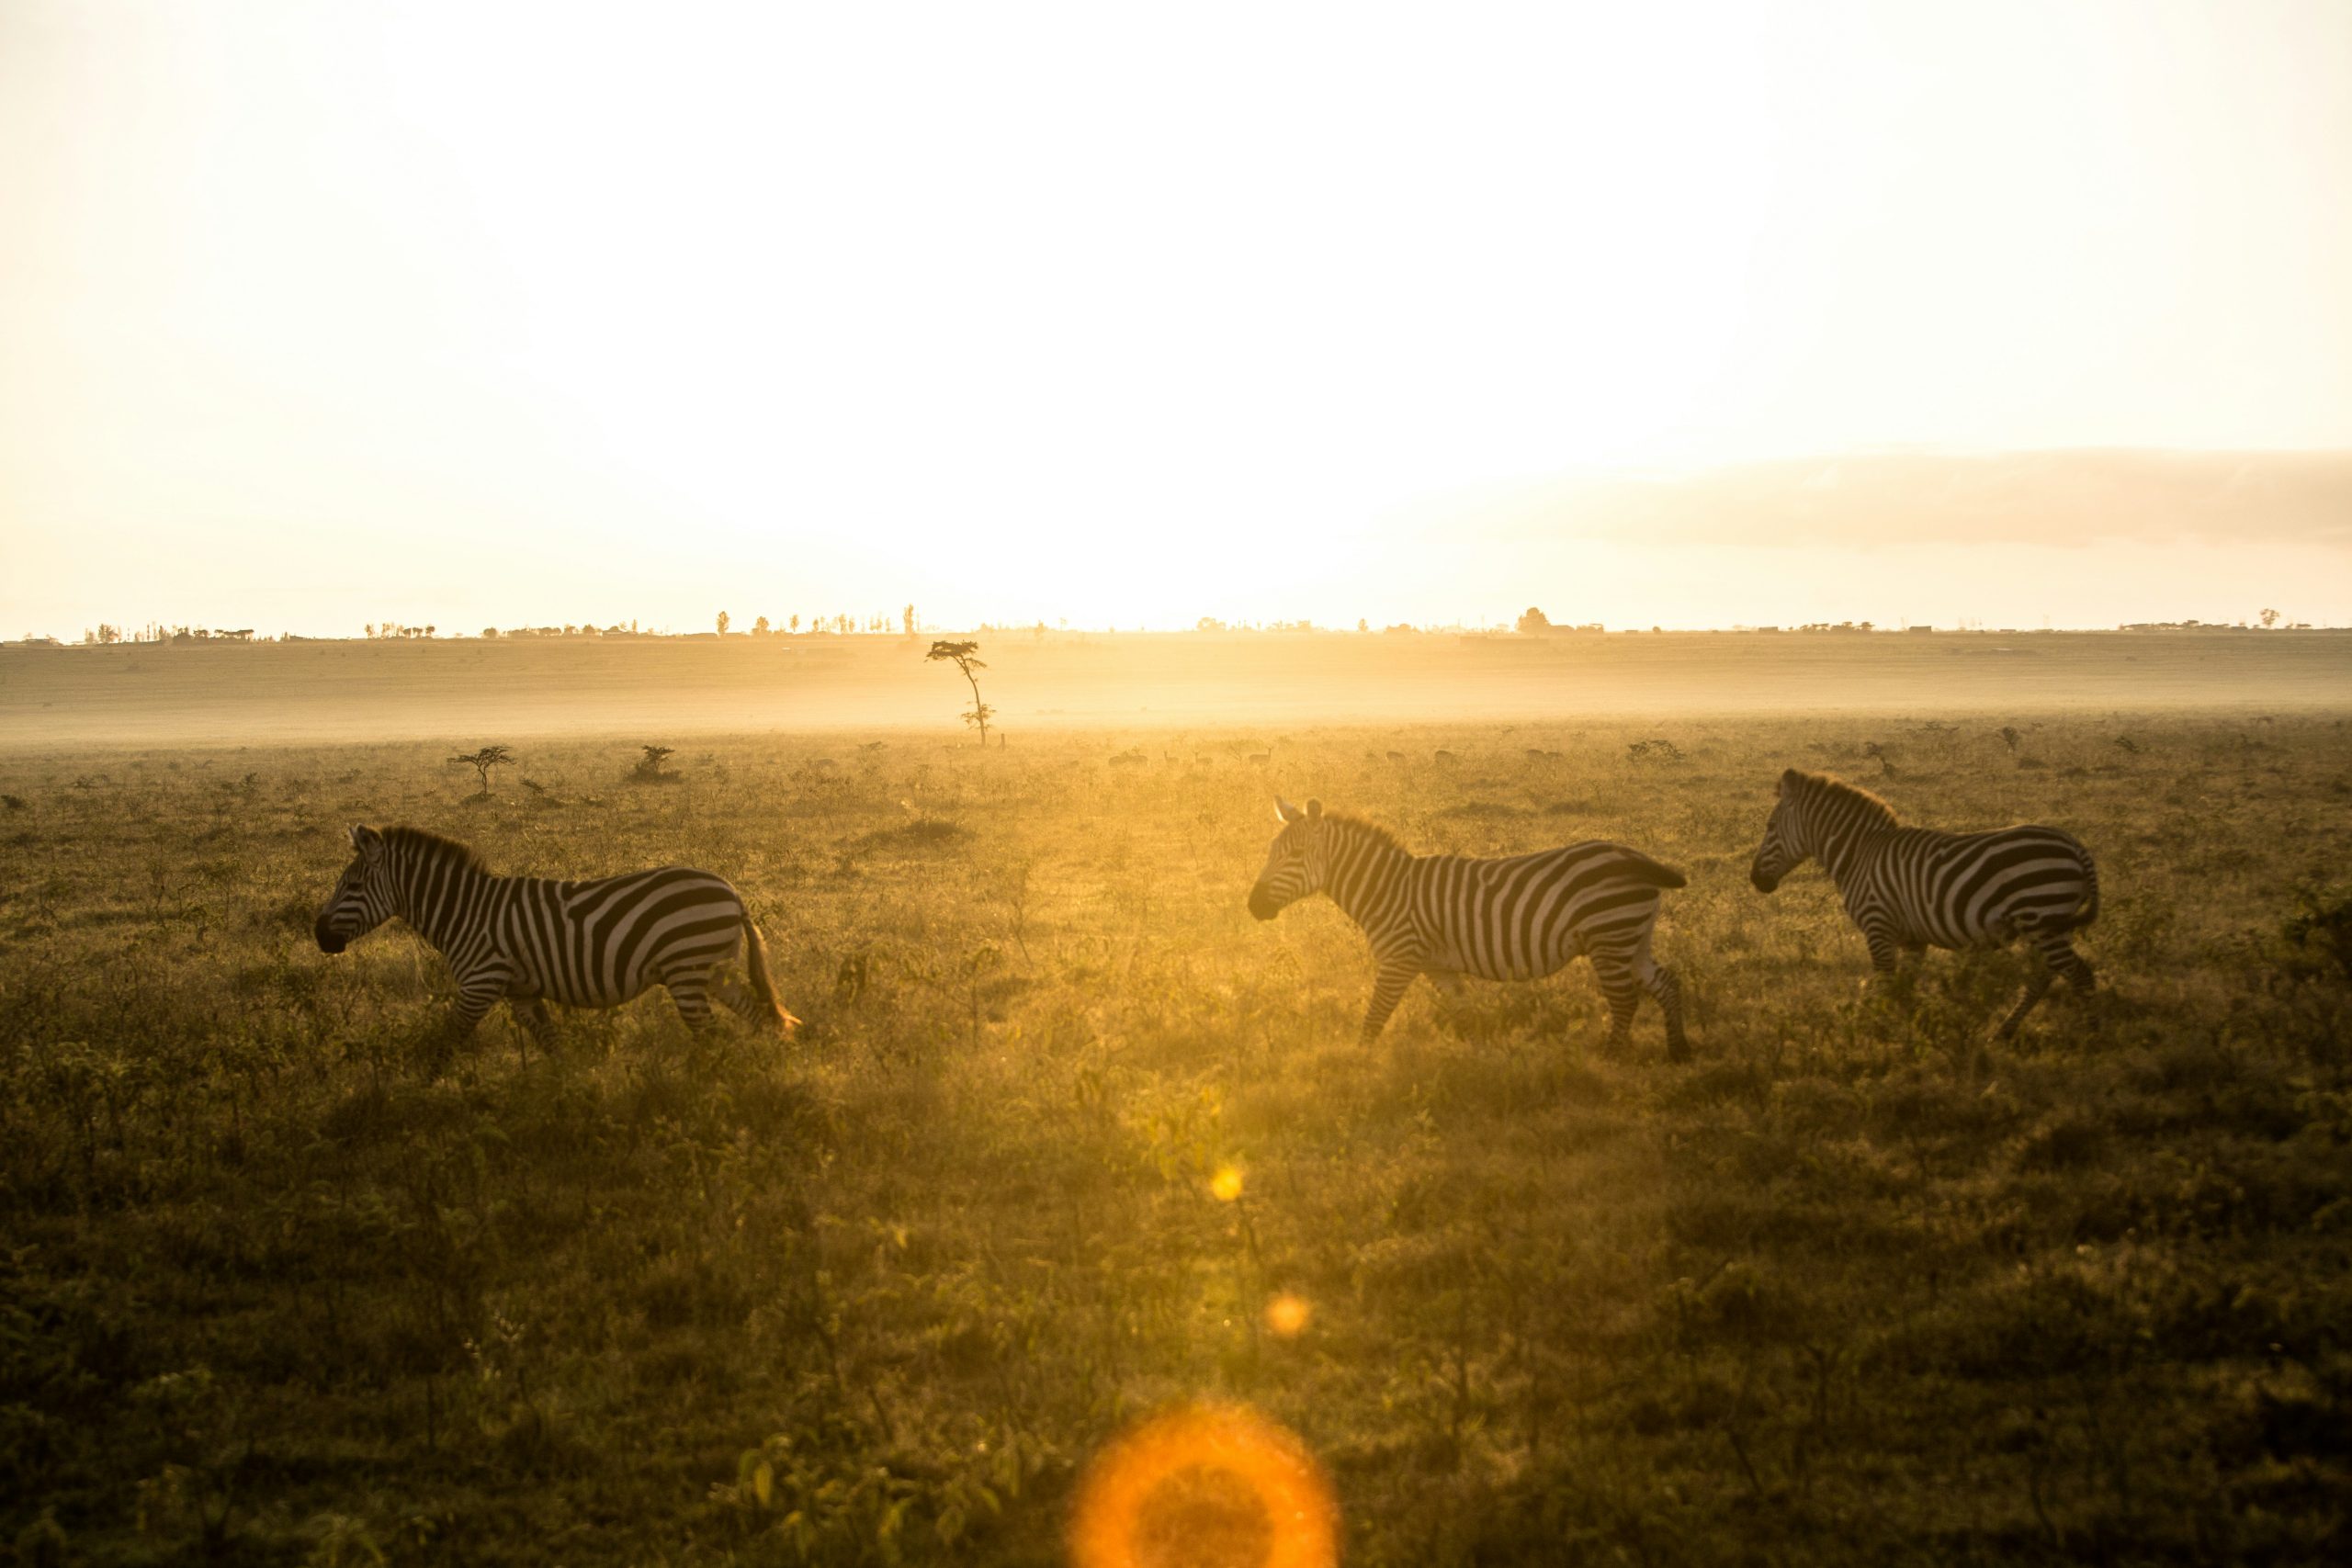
<point x="965" y="656"/>
<point x="481" y="762"/>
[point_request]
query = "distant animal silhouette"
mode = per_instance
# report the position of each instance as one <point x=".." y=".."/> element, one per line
<point x="1516" y="918"/>
<point x="1912" y="888"/>
<point x="529" y="938"/>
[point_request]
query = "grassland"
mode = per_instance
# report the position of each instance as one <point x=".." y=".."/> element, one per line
<point x="294" y="693"/>
<point x="1856" y="1285"/>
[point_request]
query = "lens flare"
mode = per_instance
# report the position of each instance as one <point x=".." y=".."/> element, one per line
<point x="1286" y="1315"/>
<point x="1206" y="1486"/>
<point x="1227" y="1183"/>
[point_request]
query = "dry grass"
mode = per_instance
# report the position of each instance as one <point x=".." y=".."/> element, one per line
<point x="1853" y="1286"/>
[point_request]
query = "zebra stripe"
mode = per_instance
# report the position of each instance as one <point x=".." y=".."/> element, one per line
<point x="530" y="939"/>
<point x="1912" y="888"/>
<point x="1446" y="916"/>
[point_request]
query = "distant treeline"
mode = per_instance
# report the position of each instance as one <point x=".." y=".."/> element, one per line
<point x="1533" y="623"/>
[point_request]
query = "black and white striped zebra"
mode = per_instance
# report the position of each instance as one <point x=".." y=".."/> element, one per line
<point x="1515" y="919"/>
<point x="1913" y="888"/>
<point x="531" y="940"/>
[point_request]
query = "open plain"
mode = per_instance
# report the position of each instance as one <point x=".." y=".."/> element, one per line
<point x="1858" y="1284"/>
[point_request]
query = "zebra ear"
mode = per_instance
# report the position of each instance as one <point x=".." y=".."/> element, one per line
<point x="1313" y="809"/>
<point x="1789" y="780"/>
<point x="1286" y="811"/>
<point x="366" y="840"/>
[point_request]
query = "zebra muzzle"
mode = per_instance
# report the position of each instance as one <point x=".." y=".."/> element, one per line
<point x="1263" y="905"/>
<point x="1764" y="882"/>
<point x="327" y="941"/>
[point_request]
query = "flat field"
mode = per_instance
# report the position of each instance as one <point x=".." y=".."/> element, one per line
<point x="660" y="688"/>
<point x="1855" y="1285"/>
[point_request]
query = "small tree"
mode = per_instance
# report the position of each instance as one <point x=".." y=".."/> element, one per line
<point x="481" y="762"/>
<point x="1534" y="621"/>
<point x="2270" y="618"/>
<point x="909" y="614"/>
<point x="722" y="623"/>
<point x="759" y="627"/>
<point x="649" y="766"/>
<point x="965" y="656"/>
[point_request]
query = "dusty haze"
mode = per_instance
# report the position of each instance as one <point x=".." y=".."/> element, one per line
<point x="664" y="688"/>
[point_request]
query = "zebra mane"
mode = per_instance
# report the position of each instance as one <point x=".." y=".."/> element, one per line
<point x="1380" y="835"/>
<point x="1836" y="788"/>
<point x="431" y="849"/>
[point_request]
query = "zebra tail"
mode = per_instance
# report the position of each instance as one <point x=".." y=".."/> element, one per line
<point x="755" y="959"/>
<point x="2088" y="910"/>
<point x="1643" y="869"/>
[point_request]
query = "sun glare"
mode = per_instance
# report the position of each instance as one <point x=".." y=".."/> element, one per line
<point x="1206" y="1486"/>
<point x="995" y="312"/>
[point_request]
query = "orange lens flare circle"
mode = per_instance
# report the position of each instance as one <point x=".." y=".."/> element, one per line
<point x="1206" y="1486"/>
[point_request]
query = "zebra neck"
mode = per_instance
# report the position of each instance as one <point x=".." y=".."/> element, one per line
<point x="440" y="899"/>
<point x="1846" y="846"/>
<point x="1364" y="875"/>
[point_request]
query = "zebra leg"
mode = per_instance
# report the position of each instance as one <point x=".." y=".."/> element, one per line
<point x="1886" y="970"/>
<point x="1388" y="988"/>
<point x="475" y="999"/>
<point x="1660" y="982"/>
<point x="1620" y="987"/>
<point x="2036" y="986"/>
<point x="536" y="1019"/>
<point x="742" y="1003"/>
<point x="691" y="993"/>
<point x="474" y="1002"/>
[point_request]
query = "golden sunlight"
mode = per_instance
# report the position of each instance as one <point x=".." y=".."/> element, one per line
<point x="987" y="313"/>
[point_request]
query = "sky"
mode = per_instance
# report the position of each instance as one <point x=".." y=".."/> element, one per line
<point x="320" y="313"/>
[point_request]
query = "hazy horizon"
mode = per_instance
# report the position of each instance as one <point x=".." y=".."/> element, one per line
<point x="1696" y="316"/>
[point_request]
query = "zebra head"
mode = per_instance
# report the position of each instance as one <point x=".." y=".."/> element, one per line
<point x="364" y="896"/>
<point x="1295" y="866"/>
<point x="1786" y="842"/>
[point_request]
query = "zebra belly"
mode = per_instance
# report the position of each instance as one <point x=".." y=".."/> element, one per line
<point x="1549" y="958"/>
<point x="561" y="982"/>
<point x="556" y="965"/>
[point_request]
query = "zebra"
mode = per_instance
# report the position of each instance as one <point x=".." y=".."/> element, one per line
<point x="529" y="938"/>
<point x="1446" y="916"/>
<point x="1913" y="888"/>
